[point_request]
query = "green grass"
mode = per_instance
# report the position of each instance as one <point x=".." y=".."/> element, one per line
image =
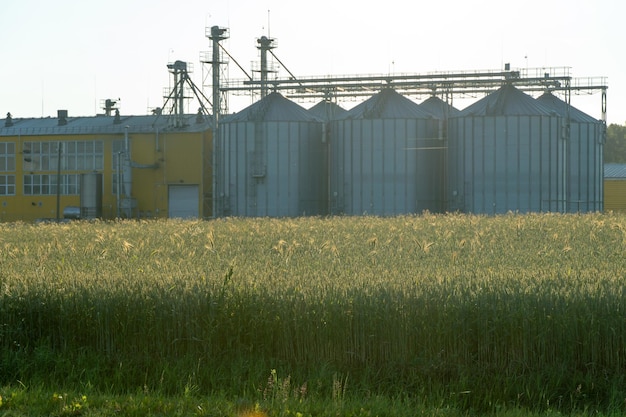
<point x="23" y="402"/>
<point x="449" y="314"/>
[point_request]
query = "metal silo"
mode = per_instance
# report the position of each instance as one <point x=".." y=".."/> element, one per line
<point x="273" y="161"/>
<point x="439" y="108"/>
<point x="385" y="159"/>
<point x="441" y="111"/>
<point x="327" y="110"/>
<point x="585" y="184"/>
<point x="506" y="153"/>
<point x="91" y="195"/>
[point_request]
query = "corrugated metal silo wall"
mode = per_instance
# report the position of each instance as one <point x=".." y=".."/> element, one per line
<point x="385" y="167"/>
<point x="272" y="169"/>
<point x="499" y="164"/>
<point x="585" y="167"/>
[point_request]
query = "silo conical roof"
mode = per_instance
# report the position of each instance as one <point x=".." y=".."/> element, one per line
<point x="507" y="101"/>
<point x="438" y="108"/>
<point x="327" y="110"/>
<point x="273" y="108"/>
<point x="550" y="100"/>
<point x="387" y="104"/>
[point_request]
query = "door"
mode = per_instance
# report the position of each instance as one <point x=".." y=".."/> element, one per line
<point x="183" y="201"/>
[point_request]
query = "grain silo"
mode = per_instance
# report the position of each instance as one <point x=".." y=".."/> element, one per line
<point x="327" y="110"/>
<point x="584" y="156"/>
<point x="441" y="111"/>
<point x="439" y="108"/>
<point x="272" y="161"/>
<point x="506" y="152"/>
<point x="385" y="159"/>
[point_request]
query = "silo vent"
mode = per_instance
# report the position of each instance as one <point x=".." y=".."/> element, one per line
<point x="199" y="116"/>
<point x="62" y="117"/>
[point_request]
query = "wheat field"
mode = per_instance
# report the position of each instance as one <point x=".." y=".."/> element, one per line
<point x="476" y="311"/>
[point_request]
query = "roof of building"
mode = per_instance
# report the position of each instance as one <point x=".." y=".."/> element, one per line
<point x="101" y="125"/>
<point x="272" y="108"/>
<point x="507" y="101"/>
<point x="438" y="108"/>
<point x="327" y="110"/>
<point x="387" y="104"/>
<point x="615" y="171"/>
<point x="550" y="100"/>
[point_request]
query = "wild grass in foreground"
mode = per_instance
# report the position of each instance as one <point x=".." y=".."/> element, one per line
<point x="23" y="402"/>
<point x="450" y="312"/>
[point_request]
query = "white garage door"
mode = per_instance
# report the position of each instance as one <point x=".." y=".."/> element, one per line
<point x="183" y="201"/>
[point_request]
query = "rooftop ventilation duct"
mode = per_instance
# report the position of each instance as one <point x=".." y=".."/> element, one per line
<point x="62" y="117"/>
<point x="8" y="122"/>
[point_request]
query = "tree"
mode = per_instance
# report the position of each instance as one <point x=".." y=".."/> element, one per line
<point x="615" y="146"/>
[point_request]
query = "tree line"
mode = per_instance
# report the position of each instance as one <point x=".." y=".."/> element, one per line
<point x="615" y="146"/>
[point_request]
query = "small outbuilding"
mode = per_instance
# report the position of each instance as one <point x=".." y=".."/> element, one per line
<point x="615" y="187"/>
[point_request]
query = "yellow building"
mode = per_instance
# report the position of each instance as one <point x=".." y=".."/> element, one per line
<point x="615" y="187"/>
<point x="107" y="166"/>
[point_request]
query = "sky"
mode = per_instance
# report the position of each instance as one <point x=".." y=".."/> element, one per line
<point x="74" y="54"/>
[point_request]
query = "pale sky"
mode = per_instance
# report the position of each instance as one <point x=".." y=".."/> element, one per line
<point x="73" y="54"/>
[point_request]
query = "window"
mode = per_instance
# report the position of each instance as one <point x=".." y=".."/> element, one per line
<point x="75" y="156"/>
<point x="7" y="156"/>
<point x="41" y="156"/>
<point x="41" y="161"/>
<point x="83" y="155"/>
<point x="46" y="184"/>
<point x="7" y="184"/>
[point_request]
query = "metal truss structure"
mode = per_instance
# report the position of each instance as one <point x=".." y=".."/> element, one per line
<point x="447" y="85"/>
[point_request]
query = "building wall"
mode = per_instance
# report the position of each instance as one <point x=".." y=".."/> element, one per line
<point x="615" y="195"/>
<point x="29" y="172"/>
<point x="178" y="158"/>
